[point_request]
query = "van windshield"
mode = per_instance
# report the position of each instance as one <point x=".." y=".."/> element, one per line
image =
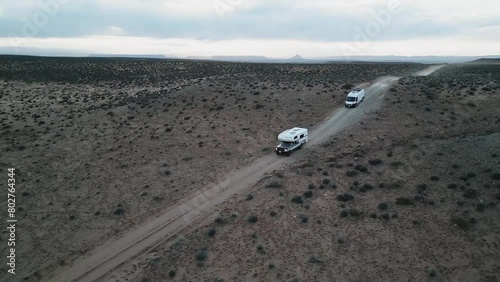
<point x="286" y="144"/>
<point x="351" y="99"/>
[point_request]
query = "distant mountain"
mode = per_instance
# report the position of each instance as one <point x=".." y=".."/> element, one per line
<point x="296" y="58"/>
<point x="138" y="56"/>
<point x="230" y="58"/>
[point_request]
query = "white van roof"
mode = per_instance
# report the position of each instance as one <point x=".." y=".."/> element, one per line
<point x="291" y="135"/>
<point x="355" y="92"/>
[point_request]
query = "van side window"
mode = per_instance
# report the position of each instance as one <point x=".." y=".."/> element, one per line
<point x="302" y="136"/>
<point x="295" y="137"/>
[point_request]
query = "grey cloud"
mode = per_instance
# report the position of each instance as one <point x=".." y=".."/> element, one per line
<point x="271" y="22"/>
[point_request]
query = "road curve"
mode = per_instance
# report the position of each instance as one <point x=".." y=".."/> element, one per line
<point x="118" y="251"/>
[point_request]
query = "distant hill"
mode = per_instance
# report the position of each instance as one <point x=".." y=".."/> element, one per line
<point x="486" y="61"/>
<point x="127" y="56"/>
<point x="249" y="58"/>
<point x="296" y="57"/>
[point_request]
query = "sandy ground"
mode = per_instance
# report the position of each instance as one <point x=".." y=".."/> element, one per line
<point x="101" y="146"/>
<point x="203" y="203"/>
<point x="409" y="193"/>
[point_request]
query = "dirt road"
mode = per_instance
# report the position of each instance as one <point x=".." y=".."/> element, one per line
<point x="118" y="251"/>
<point x="429" y="70"/>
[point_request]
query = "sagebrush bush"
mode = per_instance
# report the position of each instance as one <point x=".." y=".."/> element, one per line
<point x="297" y="199"/>
<point x="119" y="211"/>
<point x="361" y="168"/>
<point x="274" y="184"/>
<point x="344" y="197"/>
<point x="404" y="201"/>
<point x="307" y="194"/>
<point x="171" y="273"/>
<point x="470" y="194"/>
<point x="375" y="161"/>
<point x="383" y="206"/>
<point x="461" y="222"/>
<point x="201" y="255"/>
<point x="351" y="173"/>
<point x="366" y="187"/>
<point x="211" y="232"/>
<point x="355" y="212"/>
<point x="252" y="219"/>
<point x="480" y="207"/>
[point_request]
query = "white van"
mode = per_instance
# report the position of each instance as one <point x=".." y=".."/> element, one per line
<point x="355" y="97"/>
<point x="291" y="140"/>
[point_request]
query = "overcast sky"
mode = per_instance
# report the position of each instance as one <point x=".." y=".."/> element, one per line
<point x="273" y="28"/>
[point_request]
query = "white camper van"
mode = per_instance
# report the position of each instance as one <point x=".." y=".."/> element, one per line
<point x="355" y="97"/>
<point x="291" y="140"/>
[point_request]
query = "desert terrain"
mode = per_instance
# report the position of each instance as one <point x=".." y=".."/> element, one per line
<point x="406" y="189"/>
<point x="410" y="193"/>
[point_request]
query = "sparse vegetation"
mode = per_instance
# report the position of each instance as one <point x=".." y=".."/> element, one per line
<point x="360" y="168"/>
<point x="366" y="187"/>
<point x="274" y="184"/>
<point x="480" y="207"/>
<point x="171" y="273"/>
<point x="344" y="197"/>
<point x="471" y="193"/>
<point x="252" y="219"/>
<point x="119" y="211"/>
<point x="344" y="213"/>
<point x="375" y="161"/>
<point x="200" y="116"/>
<point x="307" y="194"/>
<point x="461" y="222"/>
<point x="297" y="200"/>
<point x="404" y="201"/>
<point x="355" y="212"/>
<point x="495" y="176"/>
<point x="383" y="206"/>
<point x="351" y="173"/>
<point x="202" y="254"/>
<point x="211" y="232"/>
